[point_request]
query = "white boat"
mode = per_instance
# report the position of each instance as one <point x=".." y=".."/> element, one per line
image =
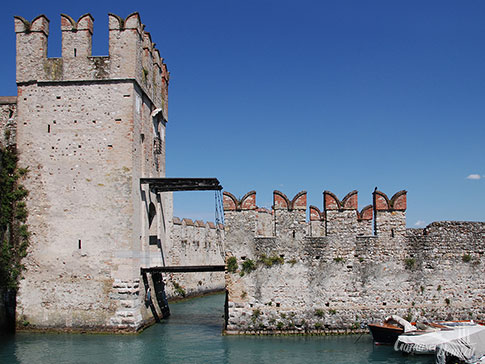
<point x="461" y="341"/>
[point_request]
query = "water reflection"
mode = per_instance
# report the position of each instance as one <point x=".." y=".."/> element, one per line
<point x="193" y="335"/>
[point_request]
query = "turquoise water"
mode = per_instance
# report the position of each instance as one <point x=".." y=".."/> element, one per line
<point x="193" y="335"/>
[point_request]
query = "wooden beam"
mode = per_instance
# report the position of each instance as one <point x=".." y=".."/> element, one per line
<point x="182" y="184"/>
<point x="185" y="269"/>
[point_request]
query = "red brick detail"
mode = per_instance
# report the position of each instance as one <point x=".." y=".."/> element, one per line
<point x="85" y="22"/>
<point x="248" y="202"/>
<point x="67" y="23"/>
<point x="199" y="223"/>
<point x="229" y="201"/>
<point x="176" y="221"/>
<point x="350" y="201"/>
<point x="299" y="201"/>
<point x="330" y="201"/>
<point x="264" y="210"/>
<point x="133" y="21"/>
<point x="366" y="213"/>
<point x="188" y="222"/>
<point x="399" y="201"/>
<point x="280" y="201"/>
<point x="315" y="214"/>
<point x="381" y="202"/>
<point x="40" y="24"/>
<point x="211" y="225"/>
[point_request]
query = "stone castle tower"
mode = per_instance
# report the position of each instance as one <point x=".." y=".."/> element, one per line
<point x="88" y="128"/>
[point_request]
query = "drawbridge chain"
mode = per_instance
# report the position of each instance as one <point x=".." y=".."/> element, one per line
<point x="219" y="213"/>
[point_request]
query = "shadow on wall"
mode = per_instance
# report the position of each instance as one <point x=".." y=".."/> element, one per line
<point x="7" y="311"/>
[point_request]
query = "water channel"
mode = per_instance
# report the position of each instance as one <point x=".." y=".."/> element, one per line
<point x="193" y="335"/>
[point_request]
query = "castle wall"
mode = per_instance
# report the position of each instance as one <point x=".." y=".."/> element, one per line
<point x="194" y="243"/>
<point x="339" y="280"/>
<point x="88" y="129"/>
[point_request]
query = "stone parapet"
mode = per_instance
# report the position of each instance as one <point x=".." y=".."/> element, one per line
<point x="390" y="214"/>
<point x="339" y="276"/>
<point x="132" y="55"/>
<point x="288" y="218"/>
<point x="327" y="284"/>
<point x="190" y="244"/>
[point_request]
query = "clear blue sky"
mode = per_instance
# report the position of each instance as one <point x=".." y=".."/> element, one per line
<point x="312" y="95"/>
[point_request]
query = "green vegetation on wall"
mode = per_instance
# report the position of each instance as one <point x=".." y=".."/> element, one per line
<point x="232" y="264"/>
<point x="270" y="261"/>
<point x="14" y="234"/>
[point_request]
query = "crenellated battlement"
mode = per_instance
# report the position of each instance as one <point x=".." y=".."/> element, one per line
<point x="232" y="203"/>
<point x="132" y="54"/>
<point x="390" y="214"/>
<point x="76" y="36"/>
<point x="176" y="221"/>
<point x="287" y="218"/>
<point x="348" y="267"/>
<point x="331" y="202"/>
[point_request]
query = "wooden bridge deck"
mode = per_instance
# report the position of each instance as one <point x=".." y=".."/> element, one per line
<point x="184" y="269"/>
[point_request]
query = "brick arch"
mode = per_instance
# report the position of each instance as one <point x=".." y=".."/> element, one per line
<point x="66" y="20"/>
<point x="381" y="201"/>
<point x="39" y="24"/>
<point x="248" y="201"/>
<point x="315" y="214"/>
<point x="330" y="201"/>
<point x="280" y="201"/>
<point x="121" y="21"/>
<point x="366" y="213"/>
<point x="85" y="20"/>
<point x="229" y="201"/>
<point x="27" y="24"/>
<point x="399" y="201"/>
<point x="299" y="201"/>
<point x="350" y="201"/>
<point x="232" y="203"/>
<point x="133" y="21"/>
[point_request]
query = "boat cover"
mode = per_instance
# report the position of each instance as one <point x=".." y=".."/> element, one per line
<point x="467" y="343"/>
<point x="469" y="349"/>
<point x="405" y="324"/>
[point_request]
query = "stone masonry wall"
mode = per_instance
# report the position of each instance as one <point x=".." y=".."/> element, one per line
<point x="336" y="281"/>
<point x="88" y="128"/>
<point x="194" y="243"/>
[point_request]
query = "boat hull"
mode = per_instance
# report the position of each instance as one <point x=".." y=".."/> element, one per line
<point x="385" y="334"/>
